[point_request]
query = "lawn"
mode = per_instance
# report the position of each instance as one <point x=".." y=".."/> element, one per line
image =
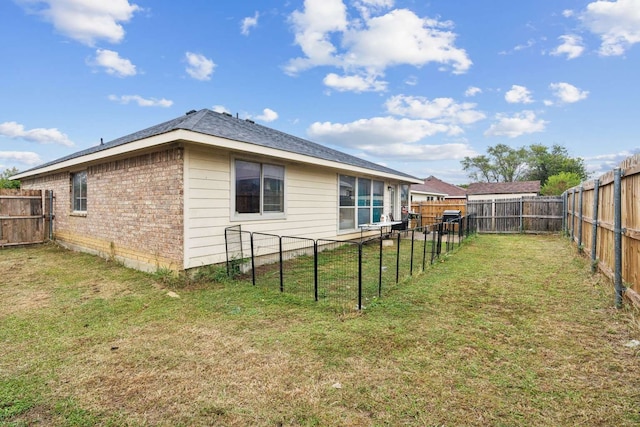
<point x="506" y="330"/>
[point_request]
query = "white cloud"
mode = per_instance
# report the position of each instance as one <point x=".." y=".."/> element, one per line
<point x="616" y="22"/>
<point x="26" y="157"/>
<point x="15" y="130"/>
<point x="220" y="109"/>
<point x="368" y="45"/>
<point x="200" y="67"/>
<point x="114" y="64"/>
<point x="367" y="7"/>
<point x="268" y="115"/>
<point x="600" y="164"/>
<point x="86" y="21"/>
<point x="568" y="13"/>
<point x="571" y="46"/>
<point x="517" y="125"/>
<point x="401" y="37"/>
<point x="354" y="83"/>
<point x="440" y="110"/>
<point x="142" y="102"/>
<point x="390" y="138"/>
<point x="375" y="131"/>
<point x="567" y="93"/>
<point x="472" y="91"/>
<point x="419" y="152"/>
<point x="312" y="29"/>
<point x="248" y="23"/>
<point x="411" y="81"/>
<point x="518" y="95"/>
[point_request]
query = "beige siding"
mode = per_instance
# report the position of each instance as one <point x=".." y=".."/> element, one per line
<point x="311" y="195"/>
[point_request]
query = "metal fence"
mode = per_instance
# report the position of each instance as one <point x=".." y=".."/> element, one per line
<point x="350" y="273"/>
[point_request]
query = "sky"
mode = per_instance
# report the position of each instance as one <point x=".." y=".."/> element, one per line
<point x="412" y="85"/>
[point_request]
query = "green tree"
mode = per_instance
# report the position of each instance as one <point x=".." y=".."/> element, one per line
<point x="558" y="184"/>
<point x="501" y="164"/>
<point x="5" y="182"/>
<point x="543" y="163"/>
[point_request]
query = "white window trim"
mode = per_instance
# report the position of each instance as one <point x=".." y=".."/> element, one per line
<point x="73" y="209"/>
<point x="356" y="207"/>
<point x="235" y="216"/>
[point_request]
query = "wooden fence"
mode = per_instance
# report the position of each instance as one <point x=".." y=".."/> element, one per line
<point x="519" y="215"/>
<point x="430" y="212"/>
<point x="25" y="216"/>
<point x="603" y="220"/>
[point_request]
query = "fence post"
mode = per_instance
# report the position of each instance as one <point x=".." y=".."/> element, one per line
<point x="617" y="230"/>
<point x="360" y="276"/>
<point x="565" y="213"/>
<point x="573" y="214"/>
<point x="315" y="270"/>
<point x="521" y="213"/>
<point x="594" y="231"/>
<point x="424" y="248"/>
<point x="580" y="219"/>
<point x="253" y="261"/>
<point x="281" y="266"/>
<point x="398" y="259"/>
<point x="380" y="268"/>
<point x="412" y="246"/>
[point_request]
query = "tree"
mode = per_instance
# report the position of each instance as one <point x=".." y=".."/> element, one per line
<point x="5" y="182"/>
<point x="502" y="164"/>
<point x="534" y="163"/>
<point x="543" y="163"/>
<point x="558" y="184"/>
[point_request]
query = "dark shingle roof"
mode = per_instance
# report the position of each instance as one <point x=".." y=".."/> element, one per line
<point x="226" y="126"/>
<point x="503" y="187"/>
<point x="435" y="185"/>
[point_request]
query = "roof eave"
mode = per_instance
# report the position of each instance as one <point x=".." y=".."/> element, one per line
<point x="208" y="140"/>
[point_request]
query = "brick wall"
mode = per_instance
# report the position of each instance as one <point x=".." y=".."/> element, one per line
<point x="134" y="210"/>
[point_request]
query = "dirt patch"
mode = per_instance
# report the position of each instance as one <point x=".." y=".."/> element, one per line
<point x="17" y="299"/>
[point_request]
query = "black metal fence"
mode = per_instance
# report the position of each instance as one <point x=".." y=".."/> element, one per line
<point x="350" y="273"/>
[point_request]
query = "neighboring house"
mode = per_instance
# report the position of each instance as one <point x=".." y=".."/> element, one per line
<point x="162" y="197"/>
<point x="433" y="188"/>
<point x="502" y="190"/>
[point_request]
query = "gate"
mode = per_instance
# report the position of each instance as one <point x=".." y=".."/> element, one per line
<point x="26" y="216"/>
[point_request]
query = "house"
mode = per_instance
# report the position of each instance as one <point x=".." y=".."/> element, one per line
<point x="502" y="190"/>
<point x="163" y="196"/>
<point x="433" y="188"/>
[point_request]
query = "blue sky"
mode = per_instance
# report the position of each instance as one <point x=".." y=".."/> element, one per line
<point x="413" y="85"/>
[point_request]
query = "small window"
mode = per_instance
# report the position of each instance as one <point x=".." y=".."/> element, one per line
<point x="79" y="191"/>
<point x="259" y="188"/>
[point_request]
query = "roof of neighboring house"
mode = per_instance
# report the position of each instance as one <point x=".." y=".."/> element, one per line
<point x="517" y="187"/>
<point x="433" y="185"/>
<point x="226" y="126"/>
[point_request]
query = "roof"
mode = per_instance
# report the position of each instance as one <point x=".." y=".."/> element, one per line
<point x="433" y="185"/>
<point x="516" y="187"/>
<point x="224" y="125"/>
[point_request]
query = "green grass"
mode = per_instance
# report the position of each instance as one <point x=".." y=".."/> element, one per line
<point x="508" y="330"/>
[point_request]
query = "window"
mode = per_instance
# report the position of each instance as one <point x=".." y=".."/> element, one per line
<point x="259" y="188"/>
<point x="79" y="191"/>
<point x="361" y="201"/>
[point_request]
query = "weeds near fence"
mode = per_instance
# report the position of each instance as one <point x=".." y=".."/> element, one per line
<point x="350" y="273"/>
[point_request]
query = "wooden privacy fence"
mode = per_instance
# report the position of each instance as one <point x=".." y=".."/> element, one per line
<point x="25" y="216"/>
<point x="543" y="214"/>
<point x="430" y="212"/>
<point x="603" y="219"/>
